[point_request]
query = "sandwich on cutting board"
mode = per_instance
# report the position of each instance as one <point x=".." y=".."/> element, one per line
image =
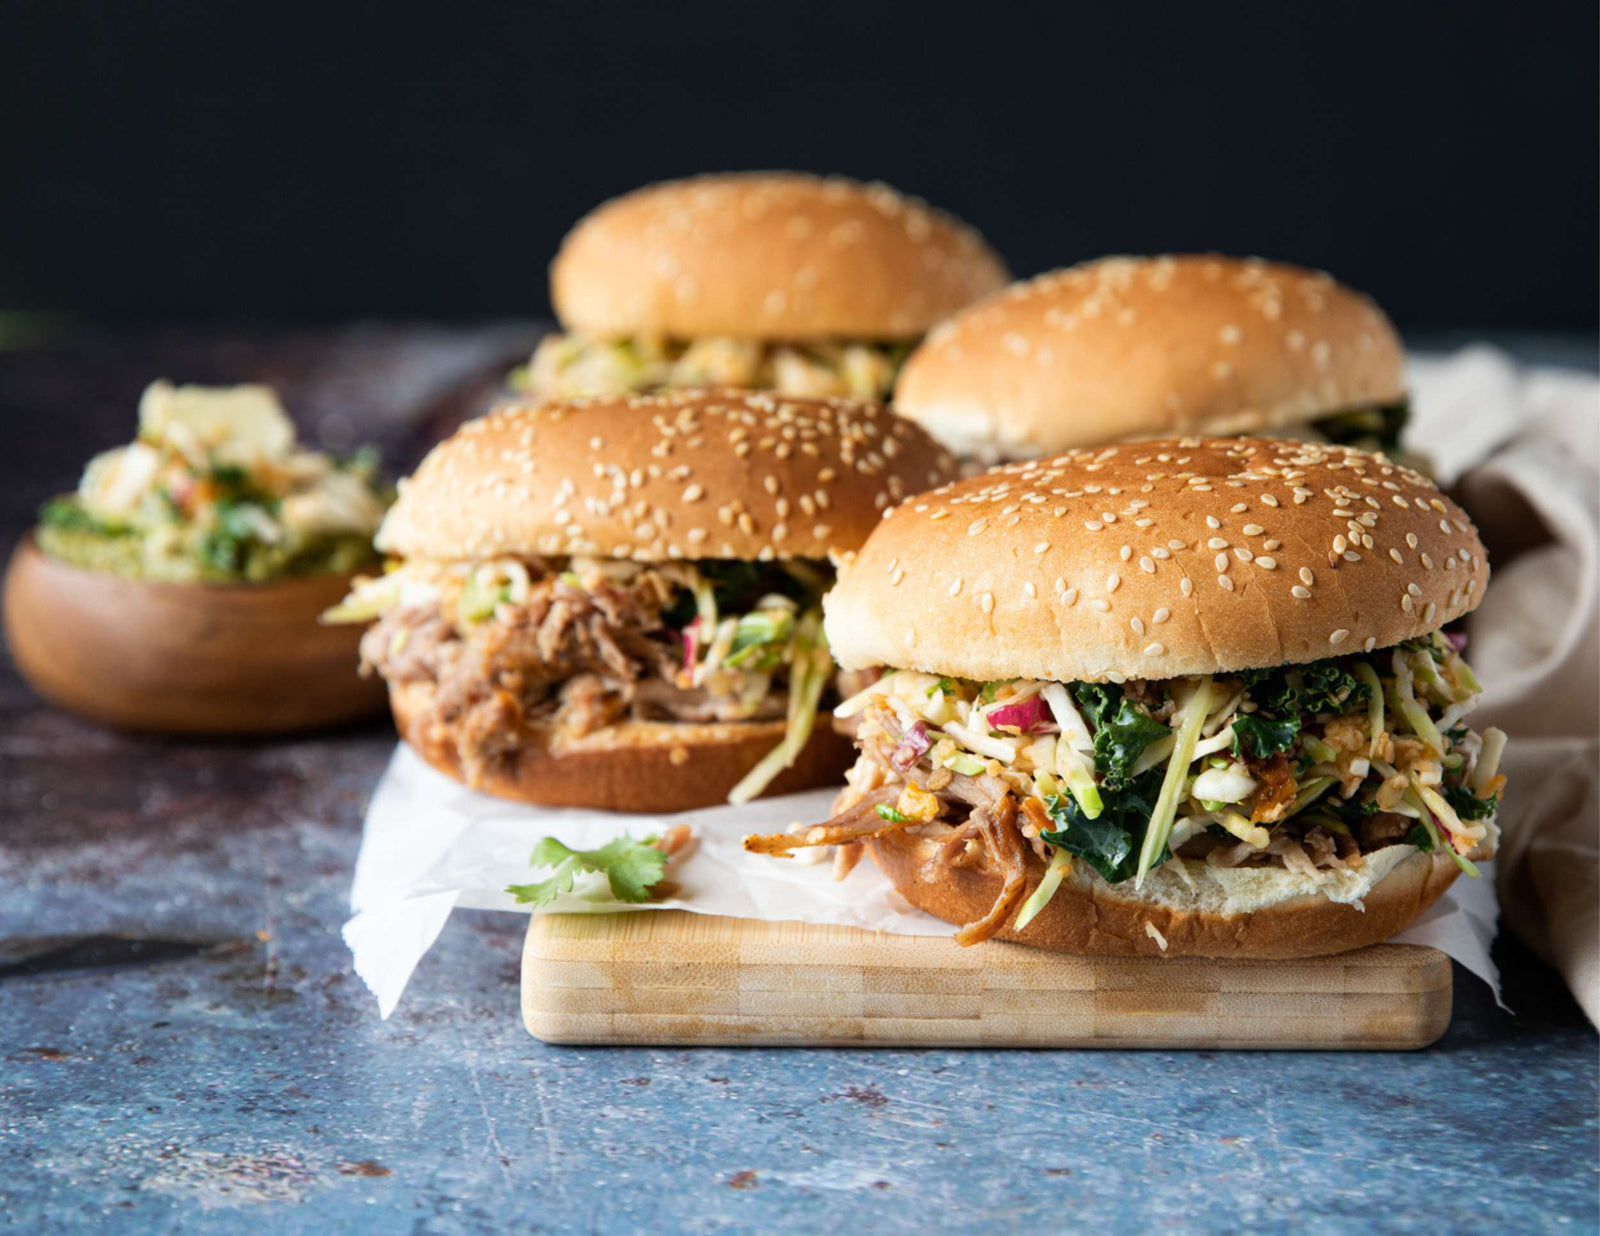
<point x="1181" y="696"/>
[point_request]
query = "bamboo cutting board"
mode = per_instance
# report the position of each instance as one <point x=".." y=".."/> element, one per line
<point x="674" y="978"/>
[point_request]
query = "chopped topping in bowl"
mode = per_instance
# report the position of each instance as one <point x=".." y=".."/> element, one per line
<point x="215" y="490"/>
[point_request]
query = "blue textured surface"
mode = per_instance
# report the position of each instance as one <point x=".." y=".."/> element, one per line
<point x="251" y="1086"/>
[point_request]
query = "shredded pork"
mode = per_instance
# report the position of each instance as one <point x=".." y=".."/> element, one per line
<point x="574" y="657"/>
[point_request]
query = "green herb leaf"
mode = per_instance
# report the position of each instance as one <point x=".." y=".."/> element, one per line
<point x="1421" y="838"/>
<point x="631" y="868"/>
<point x="889" y="813"/>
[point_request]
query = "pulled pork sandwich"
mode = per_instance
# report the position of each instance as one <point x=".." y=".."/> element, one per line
<point x="1180" y="696"/>
<point x="1125" y="348"/>
<point x="770" y="280"/>
<point x="616" y="603"/>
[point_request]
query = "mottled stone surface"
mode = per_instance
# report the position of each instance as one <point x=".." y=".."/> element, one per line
<point x="238" y="1077"/>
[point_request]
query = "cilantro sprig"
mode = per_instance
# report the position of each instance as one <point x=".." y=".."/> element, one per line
<point x="632" y="867"/>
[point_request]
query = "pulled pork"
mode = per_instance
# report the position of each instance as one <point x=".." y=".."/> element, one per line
<point x="576" y="658"/>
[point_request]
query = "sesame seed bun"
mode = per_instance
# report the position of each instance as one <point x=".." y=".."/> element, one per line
<point x="1204" y="911"/>
<point x="768" y="255"/>
<point x="698" y="474"/>
<point x="1141" y="347"/>
<point x="1158" y="559"/>
<point x="653" y="766"/>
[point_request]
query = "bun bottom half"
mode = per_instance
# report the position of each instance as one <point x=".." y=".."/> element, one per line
<point x="1255" y="913"/>
<point x="637" y="766"/>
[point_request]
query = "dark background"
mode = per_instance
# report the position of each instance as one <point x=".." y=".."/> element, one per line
<point x="199" y="160"/>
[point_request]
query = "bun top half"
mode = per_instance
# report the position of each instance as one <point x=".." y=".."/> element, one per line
<point x="776" y="256"/>
<point x="691" y="474"/>
<point x="1158" y="559"/>
<point x="1127" y="347"/>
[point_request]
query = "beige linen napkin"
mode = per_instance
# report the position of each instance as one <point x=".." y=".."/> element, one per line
<point x="1524" y="451"/>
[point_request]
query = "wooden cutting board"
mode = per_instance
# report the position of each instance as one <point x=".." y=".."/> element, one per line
<point x="674" y="978"/>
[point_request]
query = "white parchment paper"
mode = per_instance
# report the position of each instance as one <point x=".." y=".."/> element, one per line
<point x="431" y="845"/>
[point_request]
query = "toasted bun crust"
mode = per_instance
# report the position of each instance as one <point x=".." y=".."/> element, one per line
<point x="692" y="474"/>
<point x="1138" y="347"/>
<point x="650" y="766"/>
<point x="1240" y="912"/>
<point x="768" y="255"/>
<point x="1158" y="559"/>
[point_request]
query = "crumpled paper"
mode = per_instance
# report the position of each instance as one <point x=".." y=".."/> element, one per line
<point x="1521" y="445"/>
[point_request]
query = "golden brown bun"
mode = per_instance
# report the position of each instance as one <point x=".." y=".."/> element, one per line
<point x="1136" y="347"/>
<point x="649" y="766"/>
<point x="768" y="255"/>
<point x="1273" y="918"/>
<point x="1157" y="559"/>
<point x="689" y="474"/>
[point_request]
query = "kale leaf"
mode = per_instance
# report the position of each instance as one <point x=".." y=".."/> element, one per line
<point x="1350" y="810"/>
<point x="1110" y="842"/>
<point x="1257" y="736"/>
<point x="1122" y="730"/>
<point x="1320" y="686"/>
<point x="1468" y="806"/>
<point x="1419" y="837"/>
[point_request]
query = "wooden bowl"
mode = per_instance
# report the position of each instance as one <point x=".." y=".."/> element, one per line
<point x="184" y="658"/>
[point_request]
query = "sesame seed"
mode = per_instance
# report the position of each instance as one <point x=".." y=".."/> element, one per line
<point x="1427" y="614"/>
<point x="977" y="526"/>
<point x="1029" y="590"/>
<point x="986" y="602"/>
<point x="1220" y="562"/>
<point x="1153" y="650"/>
<point x="1099" y="605"/>
<point x="1339" y="636"/>
<point x="1213" y="522"/>
<point x="1300" y="593"/>
<point x="1161" y="615"/>
<point x="1226" y="582"/>
<point x="1113" y="581"/>
<point x="1041" y="547"/>
<point x="1186" y="586"/>
<point x="955" y="586"/>
<point x="1069" y="596"/>
<point x="1266" y="563"/>
<point x="1217" y="542"/>
<point x="1147" y="564"/>
<point x="1093" y="525"/>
